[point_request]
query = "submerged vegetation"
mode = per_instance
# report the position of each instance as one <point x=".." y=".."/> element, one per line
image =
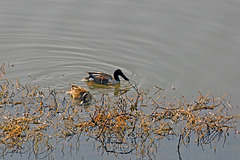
<point x="36" y="123"/>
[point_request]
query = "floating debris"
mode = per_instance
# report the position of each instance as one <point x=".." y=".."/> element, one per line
<point x="33" y="121"/>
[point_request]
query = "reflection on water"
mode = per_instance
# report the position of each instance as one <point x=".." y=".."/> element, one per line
<point x="103" y="89"/>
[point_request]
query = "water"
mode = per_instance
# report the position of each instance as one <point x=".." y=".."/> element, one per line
<point x="191" y="45"/>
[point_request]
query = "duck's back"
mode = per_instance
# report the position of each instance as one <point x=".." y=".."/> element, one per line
<point x="80" y="93"/>
<point x="99" y="78"/>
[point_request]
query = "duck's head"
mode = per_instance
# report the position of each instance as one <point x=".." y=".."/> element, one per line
<point x="118" y="73"/>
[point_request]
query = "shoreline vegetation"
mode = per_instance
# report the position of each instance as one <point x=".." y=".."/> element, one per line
<point x="36" y="123"/>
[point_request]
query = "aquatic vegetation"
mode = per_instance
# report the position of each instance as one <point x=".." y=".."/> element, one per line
<point x="36" y="122"/>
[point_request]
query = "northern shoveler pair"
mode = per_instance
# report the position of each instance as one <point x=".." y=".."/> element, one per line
<point x="84" y="95"/>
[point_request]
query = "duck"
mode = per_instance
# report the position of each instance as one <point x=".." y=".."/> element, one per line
<point x="105" y="79"/>
<point x="80" y="93"/>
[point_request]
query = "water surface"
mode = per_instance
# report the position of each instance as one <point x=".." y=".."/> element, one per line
<point x="191" y="45"/>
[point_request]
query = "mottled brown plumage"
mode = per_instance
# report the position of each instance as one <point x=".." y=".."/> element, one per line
<point x="80" y="93"/>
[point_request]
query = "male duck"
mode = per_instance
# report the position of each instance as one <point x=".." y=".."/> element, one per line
<point x="105" y="79"/>
<point x="80" y="93"/>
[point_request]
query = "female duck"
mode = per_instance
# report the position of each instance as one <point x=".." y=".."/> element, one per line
<point x="80" y="93"/>
<point x="105" y="79"/>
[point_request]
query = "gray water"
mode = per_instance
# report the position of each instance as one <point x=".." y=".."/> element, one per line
<point x="191" y="45"/>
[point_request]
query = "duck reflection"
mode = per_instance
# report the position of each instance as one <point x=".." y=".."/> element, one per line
<point x="117" y="89"/>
